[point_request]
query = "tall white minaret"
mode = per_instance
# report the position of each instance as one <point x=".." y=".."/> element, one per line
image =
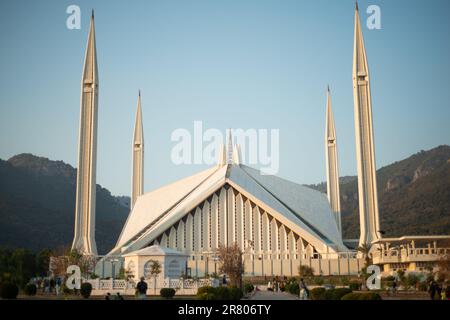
<point x="365" y="153"/>
<point x="84" y="238"/>
<point x="332" y="164"/>
<point x="230" y="147"/>
<point x="137" y="183"/>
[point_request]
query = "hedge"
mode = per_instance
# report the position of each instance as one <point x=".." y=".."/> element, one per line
<point x="167" y="293"/>
<point x="30" y="289"/>
<point x="361" y="296"/>
<point x="317" y="293"/>
<point x="85" y="290"/>
<point x="331" y="294"/>
<point x="219" y="293"/>
<point x="9" y="290"/>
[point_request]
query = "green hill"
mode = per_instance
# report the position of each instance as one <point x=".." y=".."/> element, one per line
<point x="37" y="205"/>
<point x="414" y="196"/>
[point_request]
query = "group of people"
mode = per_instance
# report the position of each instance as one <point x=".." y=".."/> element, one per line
<point x="440" y="292"/>
<point x="277" y="285"/>
<point x="48" y="285"/>
<point x="118" y="296"/>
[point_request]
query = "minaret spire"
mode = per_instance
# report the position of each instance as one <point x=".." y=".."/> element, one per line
<point x="84" y="237"/>
<point x="365" y="152"/>
<point x="137" y="184"/>
<point x="332" y="163"/>
<point x="230" y="148"/>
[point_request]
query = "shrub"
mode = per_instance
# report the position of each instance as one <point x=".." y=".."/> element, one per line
<point x="66" y="290"/>
<point x="337" y="294"/>
<point x="9" y="290"/>
<point x="292" y="287"/>
<point x="351" y="296"/>
<point x="30" y="289"/>
<point x="222" y="293"/>
<point x="305" y="271"/>
<point x="412" y="280"/>
<point x="318" y="281"/>
<point x="202" y="296"/>
<point x="204" y="289"/>
<point x="370" y="296"/>
<point x="235" y="293"/>
<point x="423" y="286"/>
<point x="248" y="287"/>
<point x="317" y="293"/>
<point x="361" y="296"/>
<point x="354" y="286"/>
<point x="167" y="293"/>
<point x="210" y="293"/>
<point x="85" y="290"/>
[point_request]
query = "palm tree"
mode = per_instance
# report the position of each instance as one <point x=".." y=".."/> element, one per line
<point x="364" y="249"/>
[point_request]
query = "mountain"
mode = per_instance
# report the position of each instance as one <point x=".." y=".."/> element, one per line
<point x="37" y="205"/>
<point x="37" y="201"/>
<point x="413" y="196"/>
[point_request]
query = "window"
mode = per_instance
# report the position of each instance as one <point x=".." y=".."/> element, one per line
<point x="131" y="267"/>
<point x="173" y="269"/>
<point x="148" y="269"/>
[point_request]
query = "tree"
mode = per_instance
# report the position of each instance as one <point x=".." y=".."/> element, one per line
<point x="64" y="257"/>
<point x="444" y="264"/>
<point x="231" y="263"/>
<point x="43" y="262"/>
<point x="364" y="249"/>
<point x="155" y="270"/>
<point x="305" y="271"/>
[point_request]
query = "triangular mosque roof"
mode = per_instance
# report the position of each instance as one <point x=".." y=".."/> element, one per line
<point x="304" y="209"/>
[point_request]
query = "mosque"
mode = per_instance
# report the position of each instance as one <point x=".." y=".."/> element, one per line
<point x="278" y="224"/>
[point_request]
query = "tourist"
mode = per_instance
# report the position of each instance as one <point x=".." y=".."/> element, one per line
<point x="432" y="289"/>
<point x="57" y="286"/>
<point x="52" y="285"/>
<point x="304" y="292"/>
<point x="394" y="286"/>
<point x="108" y="296"/>
<point x="119" y="296"/>
<point x="224" y="280"/>
<point x="269" y="286"/>
<point x="46" y="286"/>
<point x="142" y="289"/>
<point x="439" y="290"/>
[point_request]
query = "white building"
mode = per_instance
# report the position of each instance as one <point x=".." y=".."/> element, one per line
<point x="139" y="263"/>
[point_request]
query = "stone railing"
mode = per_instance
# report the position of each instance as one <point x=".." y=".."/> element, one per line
<point x="182" y="287"/>
<point x="410" y="255"/>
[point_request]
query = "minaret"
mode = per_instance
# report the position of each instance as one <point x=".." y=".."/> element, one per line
<point x="137" y="183"/>
<point x="230" y="147"/>
<point x="84" y="238"/>
<point x="332" y="164"/>
<point x="365" y="153"/>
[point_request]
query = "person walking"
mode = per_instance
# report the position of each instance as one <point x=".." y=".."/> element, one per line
<point x="57" y="286"/>
<point x="119" y="296"/>
<point x="394" y="286"/>
<point x="304" y="292"/>
<point x="142" y="289"/>
<point x="432" y="289"/>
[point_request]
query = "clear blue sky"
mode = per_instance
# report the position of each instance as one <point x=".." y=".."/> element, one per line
<point x="240" y="64"/>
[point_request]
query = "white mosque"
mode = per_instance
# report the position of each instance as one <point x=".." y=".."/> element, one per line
<point x="278" y="224"/>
